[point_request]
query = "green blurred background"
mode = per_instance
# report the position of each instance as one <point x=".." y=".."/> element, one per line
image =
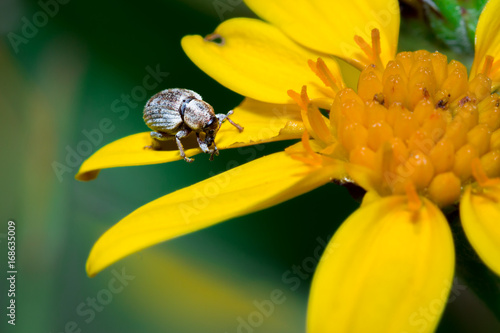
<point x="60" y="83"/>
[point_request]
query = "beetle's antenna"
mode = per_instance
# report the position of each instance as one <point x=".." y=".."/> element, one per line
<point x="225" y="117"/>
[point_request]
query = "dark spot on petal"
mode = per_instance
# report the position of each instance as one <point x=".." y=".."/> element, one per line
<point x="442" y="103"/>
<point x="215" y="38"/>
<point x="379" y="98"/>
<point x="426" y="93"/>
<point x="464" y="100"/>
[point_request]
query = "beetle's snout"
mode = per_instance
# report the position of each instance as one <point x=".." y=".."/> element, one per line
<point x="210" y="130"/>
<point x="209" y="138"/>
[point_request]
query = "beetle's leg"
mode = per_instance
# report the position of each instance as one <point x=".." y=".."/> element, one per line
<point x="202" y="144"/>
<point x="182" y="134"/>
<point x="239" y="127"/>
<point x="223" y="117"/>
<point x="215" y="152"/>
<point x="204" y="147"/>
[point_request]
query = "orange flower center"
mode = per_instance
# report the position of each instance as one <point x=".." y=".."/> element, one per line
<point x="419" y="124"/>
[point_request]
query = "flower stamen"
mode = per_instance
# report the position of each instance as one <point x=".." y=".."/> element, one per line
<point x="318" y="124"/>
<point x="414" y="202"/>
<point x="298" y="98"/>
<point x="482" y="179"/>
<point x="491" y="68"/>
<point x="311" y="157"/>
<point x="323" y="72"/>
<point x="307" y="146"/>
<point x="372" y="52"/>
<point x="311" y="116"/>
<point x="488" y="64"/>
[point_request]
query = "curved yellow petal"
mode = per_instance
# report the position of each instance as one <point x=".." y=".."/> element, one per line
<point x="259" y="184"/>
<point x="130" y="151"/>
<point x="262" y="122"/>
<point x="330" y="26"/>
<point x="255" y="59"/>
<point x="386" y="269"/>
<point x="480" y="215"/>
<point x="488" y="41"/>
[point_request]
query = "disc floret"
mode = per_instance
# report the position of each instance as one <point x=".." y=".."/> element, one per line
<point x="417" y="123"/>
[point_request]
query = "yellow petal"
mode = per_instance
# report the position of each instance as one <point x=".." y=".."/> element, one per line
<point x="262" y="122"/>
<point x="130" y="151"/>
<point x="488" y="40"/>
<point x="370" y="197"/>
<point x="248" y="188"/>
<point x="385" y="270"/>
<point x="364" y="177"/>
<point x="330" y="26"/>
<point x="480" y="215"/>
<point x="257" y="60"/>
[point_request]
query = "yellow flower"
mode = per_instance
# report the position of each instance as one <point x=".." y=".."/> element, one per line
<point x="419" y="134"/>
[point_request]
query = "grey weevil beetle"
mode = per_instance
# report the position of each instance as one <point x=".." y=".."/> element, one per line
<point x="175" y="113"/>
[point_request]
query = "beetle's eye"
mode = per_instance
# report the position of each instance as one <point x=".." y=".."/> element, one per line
<point x="210" y="122"/>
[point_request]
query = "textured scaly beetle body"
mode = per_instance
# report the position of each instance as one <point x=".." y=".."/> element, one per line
<point x="175" y="113"/>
